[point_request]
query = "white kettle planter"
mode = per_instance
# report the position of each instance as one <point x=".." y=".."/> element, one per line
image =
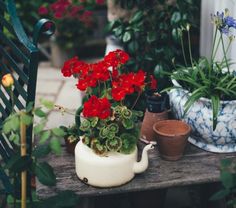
<point x="199" y="117"/>
<point x="111" y="170"/>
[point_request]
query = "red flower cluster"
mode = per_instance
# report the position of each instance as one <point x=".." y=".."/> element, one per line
<point x="108" y="71"/>
<point x="67" y="9"/>
<point x="127" y="84"/>
<point x="96" y="107"/>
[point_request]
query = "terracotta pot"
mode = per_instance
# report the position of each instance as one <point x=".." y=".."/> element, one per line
<point x="70" y="146"/>
<point x="147" y="133"/>
<point x="171" y="136"/>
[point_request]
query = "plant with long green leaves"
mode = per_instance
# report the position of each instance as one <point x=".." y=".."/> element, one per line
<point x="228" y="180"/>
<point x="209" y="78"/>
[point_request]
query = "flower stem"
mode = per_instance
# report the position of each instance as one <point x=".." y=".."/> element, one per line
<point x="12" y="99"/>
<point x="213" y="47"/>
<point x="183" y="51"/>
<point x="190" y="49"/>
<point x="225" y="57"/>
<point x="136" y="100"/>
<point x="217" y="46"/>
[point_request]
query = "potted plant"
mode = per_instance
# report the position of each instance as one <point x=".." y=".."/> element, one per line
<point x="106" y="154"/>
<point x="74" y="22"/>
<point x="205" y="92"/>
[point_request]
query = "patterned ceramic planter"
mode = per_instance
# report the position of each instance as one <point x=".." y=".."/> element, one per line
<point x="199" y="117"/>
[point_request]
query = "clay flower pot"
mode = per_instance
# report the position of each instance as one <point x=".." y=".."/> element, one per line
<point x="147" y="133"/>
<point x="156" y="110"/>
<point x="171" y="136"/>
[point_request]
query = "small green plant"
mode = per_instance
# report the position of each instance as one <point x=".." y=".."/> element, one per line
<point x="209" y="78"/>
<point x="228" y="180"/>
<point x="23" y="162"/>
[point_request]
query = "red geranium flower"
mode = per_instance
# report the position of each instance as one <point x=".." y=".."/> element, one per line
<point x="153" y="84"/>
<point x="67" y="69"/>
<point x="96" y="107"/>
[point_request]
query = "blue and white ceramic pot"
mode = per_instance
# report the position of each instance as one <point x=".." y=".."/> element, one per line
<point x="199" y="117"/>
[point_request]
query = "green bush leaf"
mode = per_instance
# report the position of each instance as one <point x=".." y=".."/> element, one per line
<point x="41" y="151"/>
<point x="55" y="146"/>
<point x="136" y="17"/>
<point x="58" y="132"/>
<point x="29" y="107"/>
<point x="47" y="104"/>
<point x="44" y="137"/>
<point x="45" y="174"/>
<point x="63" y="199"/>
<point x="26" y="119"/>
<point x="39" y="128"/>
<point x="126" y="37"/>
<point x="12" y="123"/>
<point x="151" y="36"/>
<point x="38" y="112"/>
<point x="175" y="18"/>
<point x="220" y="194"/>
<point x="227" y="179"/>
<point x="18" y="163"/>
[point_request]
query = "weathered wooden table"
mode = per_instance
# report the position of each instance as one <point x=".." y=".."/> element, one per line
<point x="196" y="167"/>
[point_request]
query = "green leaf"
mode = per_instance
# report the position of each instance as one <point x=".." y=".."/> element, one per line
<point x="128" y="143"/>
<point x="151" y="37"/>
<point x="128" y="123"/>
<point x="18" y="163"/>
<point x="103" y="133"/>
<point x="55" y="146"/>
<point x="220" y="195"/>
<point x="215" y="103"/>
<point x="38" y="112"/>
<point x="136" y="17"/>
<point x="41" y="151"/>
<point x="15" y="138"/>
<point x="85" y="125"/>
<point x="94" y="121"/>
<point x="45" y="174"/>
<point x="126" y="36"/>
<point x="63" y="199"/>
<point x="39" y="128"/>
<point x="126" y="113"/>
<point x="113" y="127"/>
<point x="29" y="107"/>
<point x="12" y="123"/>
<point x="58" y="132"/>
<point x="175" y="18"/>
<point x="227" y="179"/>
<point x="44" y="137"/>
<point x="47" y="104"/>
<point x="114" y="144"/>
<point x="225" y="163"/>
<point x="26" y="119"/>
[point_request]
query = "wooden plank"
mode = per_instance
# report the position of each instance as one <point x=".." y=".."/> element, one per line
<point x="196" y="167"/>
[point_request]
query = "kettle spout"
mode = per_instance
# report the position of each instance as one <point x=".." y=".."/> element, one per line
<point x="142" y="165"/>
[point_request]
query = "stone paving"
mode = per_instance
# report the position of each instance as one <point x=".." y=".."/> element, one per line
<point x="51" y="85"/>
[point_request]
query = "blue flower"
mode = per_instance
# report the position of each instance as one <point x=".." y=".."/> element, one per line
<point x="224" y="22"/>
